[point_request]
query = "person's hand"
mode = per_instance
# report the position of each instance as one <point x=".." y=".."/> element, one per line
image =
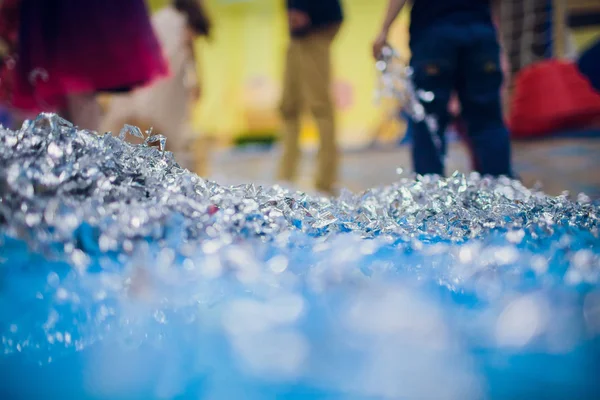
<point x="298" y="19"/>
<point x="378" y="45"/>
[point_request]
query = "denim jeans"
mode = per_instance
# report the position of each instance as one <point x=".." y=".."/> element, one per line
<point x="464" y="58"/>
<point x="589" y="65"/>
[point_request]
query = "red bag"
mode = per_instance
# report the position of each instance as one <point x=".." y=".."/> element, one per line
<point x="552" y="96"/>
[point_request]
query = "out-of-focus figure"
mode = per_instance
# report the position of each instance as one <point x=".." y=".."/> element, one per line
<point x="166" y="104"/>
<point x="9" y="33"/>
<point x="455" y="48"/>
<point x="68" y="51"/>
<point x="313" y="26"/>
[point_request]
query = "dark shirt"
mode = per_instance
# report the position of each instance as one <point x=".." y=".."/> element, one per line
<point x="428" y="13"/>
<point x="322" y="13"/>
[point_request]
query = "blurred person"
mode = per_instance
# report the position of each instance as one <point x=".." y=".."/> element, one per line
<point x="166" y="105"/>
<point x="313" y="26"/>
<point x="457" y="122"/>
<point x="9" y="31"/>
<point x="454" y="48"/>
<point x="70" y="50"/>
<point x="6" y="119"/>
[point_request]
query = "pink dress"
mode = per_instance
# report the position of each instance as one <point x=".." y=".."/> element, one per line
<point x="74" y="46"/>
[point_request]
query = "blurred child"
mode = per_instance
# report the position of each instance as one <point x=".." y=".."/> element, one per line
<point x="9" y="32"/>
<point x="166" y="105"/>
<point x="454" y="48"/>
<point x="313" y="26"/>
<point x="70" y="50"/>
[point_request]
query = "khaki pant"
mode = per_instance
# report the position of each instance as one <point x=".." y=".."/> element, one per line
<point x="307" y="86"/>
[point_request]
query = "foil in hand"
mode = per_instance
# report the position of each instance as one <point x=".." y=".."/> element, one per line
<point x="395" y="81"/>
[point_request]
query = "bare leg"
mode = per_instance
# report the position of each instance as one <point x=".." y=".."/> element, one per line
<point x="84" y="111"/>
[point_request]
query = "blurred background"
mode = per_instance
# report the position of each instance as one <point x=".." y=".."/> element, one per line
<point x="236" y="118"/>
<point x="242" y="66"/>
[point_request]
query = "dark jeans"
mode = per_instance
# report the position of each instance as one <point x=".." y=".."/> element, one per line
<point x="589" y="65"/>
<point x="463" y="58"/>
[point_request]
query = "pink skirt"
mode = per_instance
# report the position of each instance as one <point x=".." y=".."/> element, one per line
<point x="75" y="46"/>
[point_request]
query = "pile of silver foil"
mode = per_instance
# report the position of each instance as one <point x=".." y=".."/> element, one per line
<point x="109" y="247"/>
<point x="54" y="177"/>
